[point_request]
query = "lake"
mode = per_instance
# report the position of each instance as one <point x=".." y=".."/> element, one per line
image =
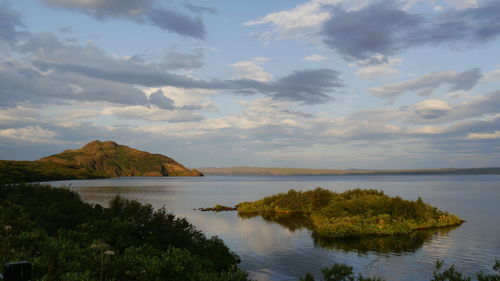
<point x="285" y="250"/>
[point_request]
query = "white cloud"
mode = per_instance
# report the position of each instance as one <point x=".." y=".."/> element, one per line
<point x="251" y="70"/>
<point x="484" y="136"/>
<point x="462" y="4"/>
<point x="187" y="98"/>
<point x="301" y="19"/>
<point x="492" y="76"/>
<point x="310" y="15"/>
<point x="438" y="8"/>
<point x="29" y="134"/>
<point x="18" y="114"/>
<point x="427" y="130"/>
<point x="381" y="70"/>
<point x="154" y="114"/>
<point x="315" y="57"/>
<point x="432" y="109"/>
<point x="426" y="84"/>
<point x="261" y="59"/>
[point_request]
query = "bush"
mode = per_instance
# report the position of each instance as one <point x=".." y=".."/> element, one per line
<point x="68" y="239"/>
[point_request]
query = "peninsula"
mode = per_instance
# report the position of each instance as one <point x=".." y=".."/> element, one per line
<point x="96" y="159"/>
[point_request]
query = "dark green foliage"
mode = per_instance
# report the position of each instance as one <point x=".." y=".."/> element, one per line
<point x="67" y="239"/>
<point x="451" y="274"/>
<point x="33" y="171"/>
<point x="342" y="272"/>
<point x="339" y="272"/>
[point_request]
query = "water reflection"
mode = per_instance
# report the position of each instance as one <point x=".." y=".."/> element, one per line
<point x="291" y="222"/>
<point x="396" y="244"/>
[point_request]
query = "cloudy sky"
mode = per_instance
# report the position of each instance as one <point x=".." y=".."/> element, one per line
<point x="284" y="83"/>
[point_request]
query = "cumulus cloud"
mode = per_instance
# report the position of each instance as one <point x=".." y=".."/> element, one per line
<point x="177" y="60"/>
<point x="383" y="28"/>
<point x="302" y="20"/>
<point x="376" y="29"/>
<point x="492" y="76"/>
<point x="425" y="85"/>
<point x="25" y="83"/>
<point x="153" y="114"/>
<point x="315" y="57"/>
<point x="103" y="9"/>
<point x="18" y="116"/>
<point x="139" y="11"/>
<point x="177" y="22"/>
<point x="199" y="9"/>
<point x="477" y="106"/>
<point x="30" y="134"/>
<point x="159" y="99"/>
<point x="307" y="86"/>
<point x="359" y="29"/>
<point x="383" y="69"/>
<point x="251" y="70"/>
<point x="188" y="99"/>
<point x="484" y="136"/>
<point x="432" y="109"/>
<point x="10" y="21"/>
<point x="88" y="72"/>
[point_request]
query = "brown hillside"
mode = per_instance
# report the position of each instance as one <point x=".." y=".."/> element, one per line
<point x="110" y="159"/>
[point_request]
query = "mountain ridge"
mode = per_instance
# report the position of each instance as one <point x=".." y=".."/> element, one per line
<point x="276" y="171"/>
<point x="96" y="159"/>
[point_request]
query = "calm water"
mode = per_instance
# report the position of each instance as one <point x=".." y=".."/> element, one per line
<point x="285" y="251"/>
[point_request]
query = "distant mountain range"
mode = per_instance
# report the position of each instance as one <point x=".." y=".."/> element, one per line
<point x="242" y="170"/>
<point x="95" y="160"/>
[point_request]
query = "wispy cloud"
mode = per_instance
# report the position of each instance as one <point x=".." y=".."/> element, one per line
<point x="141" y="12"/>
<point x="383" y="28"/>
<point x="426" y="84"/>
<point x="315" y="57"/>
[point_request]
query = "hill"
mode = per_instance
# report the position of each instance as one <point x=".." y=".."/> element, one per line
<point x="95" y="160"/>
<point x="242" y="170"/>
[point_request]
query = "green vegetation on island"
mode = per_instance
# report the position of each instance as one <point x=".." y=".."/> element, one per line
<point x="353" y="213"/>
<point x="95" y="160"/>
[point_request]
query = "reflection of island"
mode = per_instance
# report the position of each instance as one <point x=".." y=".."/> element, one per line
<point x="399" y="244"/>
<point x="291" y="222"/>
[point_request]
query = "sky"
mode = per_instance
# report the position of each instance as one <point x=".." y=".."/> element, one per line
<point x="284" y="83"/>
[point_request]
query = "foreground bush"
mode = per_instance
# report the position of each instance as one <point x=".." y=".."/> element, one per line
<point x="353" y="213"/>
<point x="342" y="272"/>
<point x="67" y="239"/>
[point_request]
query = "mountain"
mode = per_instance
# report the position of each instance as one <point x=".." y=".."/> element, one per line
<point x="95" y="160"/>
<point x="242" y="170"/>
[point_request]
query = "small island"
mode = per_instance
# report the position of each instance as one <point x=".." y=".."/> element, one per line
<point x="353" y="213"/>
